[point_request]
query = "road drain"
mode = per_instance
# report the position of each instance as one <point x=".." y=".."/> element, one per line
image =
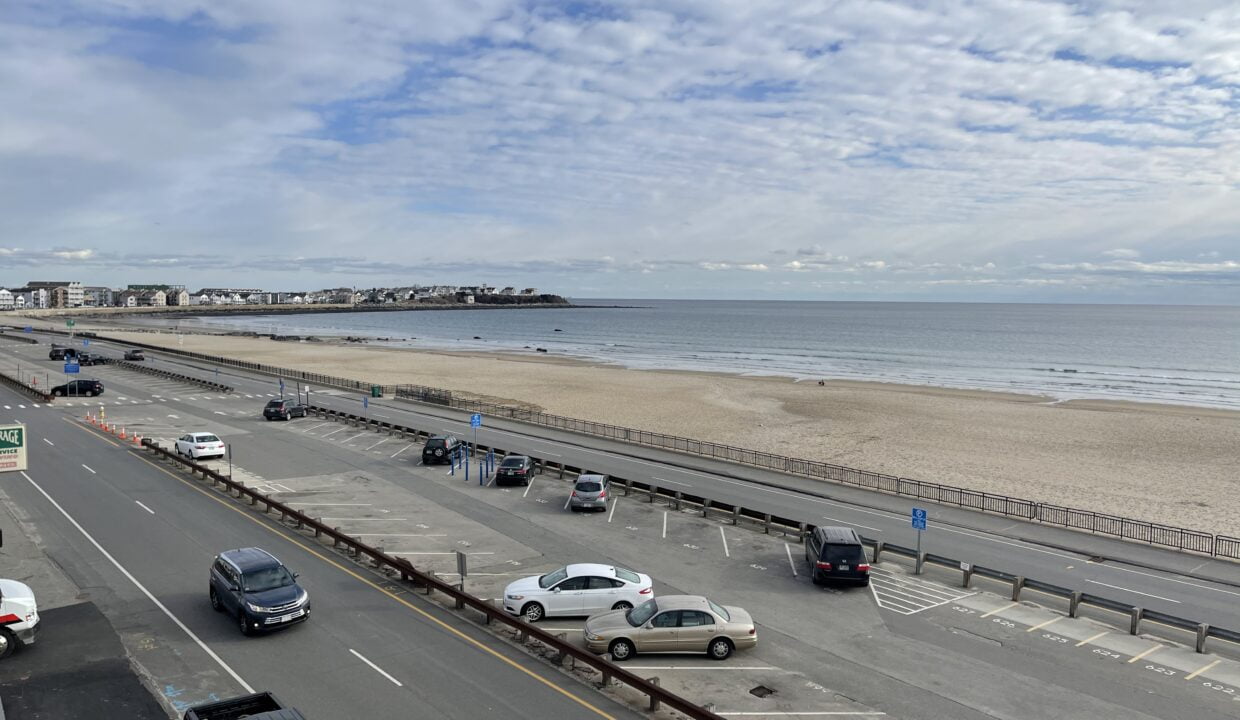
<point x="761" y="691"/>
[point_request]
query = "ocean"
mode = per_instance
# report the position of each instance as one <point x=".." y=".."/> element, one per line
<point x="1168" y="354"/>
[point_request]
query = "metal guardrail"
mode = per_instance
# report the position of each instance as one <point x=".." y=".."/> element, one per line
<point x="1130" y="529"/>
<point x="22" y="387"/>
<point x="19" y="338"/>
<point x="609" y="670"/>
<point x="139" y="367"/>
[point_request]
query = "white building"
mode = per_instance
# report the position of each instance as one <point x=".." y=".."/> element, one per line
<point x="6" y="299"/>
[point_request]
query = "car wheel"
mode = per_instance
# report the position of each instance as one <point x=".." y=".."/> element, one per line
<point x="622" y="605"/>
<point x="58" y="393"/>
<point x="243" y="624"/>
<point x="720" y="649"/>
<point x="8" y="642"/>
<point x="525" y="482"/>
<point x="215" y="602"/>
<point x="287" y="417"/>
<point x="622" y="650"/>
<point x="533" y="612"/>
<point x="90" y="393"/>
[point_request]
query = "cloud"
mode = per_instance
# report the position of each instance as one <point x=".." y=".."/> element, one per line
<point x="1121" y="253"/>
<point x="73" y="254"/>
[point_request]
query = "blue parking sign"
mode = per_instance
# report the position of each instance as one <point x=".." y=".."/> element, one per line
<point x="919" y="519"/>
<point x="475" y="420"/>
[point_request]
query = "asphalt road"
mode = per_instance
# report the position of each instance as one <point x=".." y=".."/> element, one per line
<point x="1199" y="588"/>
<point x="366" y="646"/>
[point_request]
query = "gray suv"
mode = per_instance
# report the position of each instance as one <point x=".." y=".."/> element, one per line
<point x="255" y="588"/>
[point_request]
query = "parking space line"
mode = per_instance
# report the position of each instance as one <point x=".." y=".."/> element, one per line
<point x="1198" y="671"/>
<point x="333" y="432"/>
<point x="1135" y="592"/>
<point x="375" y="667"/>
<point x="378" y="443"/>
<point x="567" y="500"/>
<point x="1009" y="606"/>
<point x="1041" y="625"/>
<point x="724" y="538"/>
<point x="1143" y="653"/>
<point x="315" y="426"/>
<point x="401" y="450"/>
<point x="92" y="472"/>
<point x="353" y="438"/>
<point x="788" y="549"/>
<point x="1088" y="640"/>
<point x="612" y="514"/>
<point x="664" y="523"/>
<point x="527" y="488"/>
<point x="144" y="507"/>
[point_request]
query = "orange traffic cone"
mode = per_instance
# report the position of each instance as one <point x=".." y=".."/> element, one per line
<point x="137" y="439"/>
<point x="122" y="435"/>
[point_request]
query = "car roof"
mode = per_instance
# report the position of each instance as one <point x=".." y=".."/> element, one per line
<point x="682" y="602"/>
<point x="250" y="558"/>
<point x="596" y="569"/>
<point x="591" y="477"/>
<point x="202" y="432"/>
<point x="519" y="458"/>
<point x="841" y="535"/>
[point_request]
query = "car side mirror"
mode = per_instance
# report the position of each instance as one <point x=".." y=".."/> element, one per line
<point x="232" y="588"/>
<point x="296" y="575"/>
<point x="649" y="625"/>
<point x="555" y="590"/>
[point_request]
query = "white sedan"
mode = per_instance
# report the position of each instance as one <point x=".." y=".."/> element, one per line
<point x="578" y="589"/>
<point x="200" y="445"/>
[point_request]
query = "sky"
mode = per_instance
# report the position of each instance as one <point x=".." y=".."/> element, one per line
<point x="954" y="150"/>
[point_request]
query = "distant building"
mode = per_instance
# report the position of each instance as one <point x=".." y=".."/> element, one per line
<point x="61" y="294"/>
<point x="508" y="291"/>
<point x="97" y="296"/>
<point x="6" y="299"/>
<point x="530" y="291"/>
<point x="127" y="298"/>
<point x="178" y="296"/>
<point x="29" y="298"/>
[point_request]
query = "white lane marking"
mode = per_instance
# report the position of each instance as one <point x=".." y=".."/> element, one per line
<point x="1013" y="544"/>
<point x="724" y="538"/>
<point x="612" y="514"/>
<point x="401" y="450"/>
<point x="847" y="522"/>
<point x="788" y="549"/>
<point x="120" y="397"/>
<point x="315" y="426"/>
<point x="23" y="407"/>
<point x="49" y="442"/>
<point x="144" y="507"/>
<point x="664" y="523"/>
<point x="567" y="500"/>
<point x="1181" y="582"/>
<point x="8" y="407"/>
<point x="674" y="482"/>
<point x="382" y="416"/>
<point x="248" y="395"/>
<point x="375" y="667"/>
<point x="1134" y="592"/>
<point x="349" y="440"/>
<point x="174" y="417"/>
<point x="92" y="472"/>
<point x="527" y="488"/>
<point x="176" y="399"/>
<point x="378" y="443"/>
<point x="333" y="432"/>
<point x="141" y="587"/>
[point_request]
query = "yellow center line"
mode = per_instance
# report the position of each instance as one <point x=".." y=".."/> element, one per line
<point x="1088" y="640"/>
<point x="1000" y="609"/>
<point x="1144" y="653"/>
<point x="1198" y="671"/>
<point x="1041" y="625"/>
<point x="90" y="432"/>
<point x="298" y="541"/>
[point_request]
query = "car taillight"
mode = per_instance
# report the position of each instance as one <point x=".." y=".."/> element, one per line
<point x="200" y="447"/>
<point x="822" y="565"/>
<point x="574" y="494"/>
<point x="864" y="567"/>
<point x="602" y="495"/>
<point x="753" y="631"/>
<point x="645" y="591"/>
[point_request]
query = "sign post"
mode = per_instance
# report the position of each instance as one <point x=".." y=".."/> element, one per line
<point x="281" y="388"/>
<point x="69" y="324"/>
<point x="12" y="447"/>
<point x="475" y="422"/>
<point x="919" y="524"/>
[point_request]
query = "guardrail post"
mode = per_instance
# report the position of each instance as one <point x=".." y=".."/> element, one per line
<point x="766" y="523"/>
<point x="736" y="515"/>
<point x="705" y="507"/>
<point x="878" y="550"/>
<point x="678" y="496"/>
<point x="335" y="535"/>
<point x="561" y="471"/>
<point x="628" y="486"/>
<point x="966" y="571"/>
<point x="1018" y="582"/>
<point x="1134" y="623"/>
<point x="654" y="699"/>
<point x="1074" y="603"/>
<point x="559" y="656"/>
<point x="801" y="532"/>
<point x="1203" y="631"/>
<point x="606" y="675"/>
<point x="651" y="492"/>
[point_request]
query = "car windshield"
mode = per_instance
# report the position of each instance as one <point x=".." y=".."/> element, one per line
<point x="206" y="438"/>
<point x="589" y="487"/>
<point x="434" y="443"/>
<point x="627" y="575"/>
<point x="552" y="578"/>
<point x="719" y="610"/>
<point x="267" y="579"/>
<point x="275" y="403"/>
<point x="512" y="462"/>
<point x="641" y="614"/>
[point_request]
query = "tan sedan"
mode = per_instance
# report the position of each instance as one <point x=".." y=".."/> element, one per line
<point x="672" y="624"/>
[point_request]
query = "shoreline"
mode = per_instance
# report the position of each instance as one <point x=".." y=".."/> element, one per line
<point x="1164" y="462"/>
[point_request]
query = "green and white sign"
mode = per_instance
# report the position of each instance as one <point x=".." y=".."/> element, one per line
<point x="70" y="323"/>
<point x="12" y="447"/>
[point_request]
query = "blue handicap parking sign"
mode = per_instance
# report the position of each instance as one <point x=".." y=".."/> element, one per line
<point x="919" y="519"/>
<point x="475" y="420"/>
<point x="71" y="366"/>
<point x="85" y="342"/>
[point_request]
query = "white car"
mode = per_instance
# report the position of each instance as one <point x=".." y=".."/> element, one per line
<point x="200" y="445"/>
<point x="578" y="589"/>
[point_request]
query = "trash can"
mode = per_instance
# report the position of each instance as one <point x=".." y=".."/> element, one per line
<point x="376" y="391"/>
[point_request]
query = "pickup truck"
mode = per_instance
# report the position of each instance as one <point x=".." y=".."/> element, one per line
<point x="259" y="706"/>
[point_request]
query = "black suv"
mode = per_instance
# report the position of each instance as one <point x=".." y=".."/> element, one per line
<point x="61" y="353"/>
<point x="515" y="468"/>
<point x="283" y="409"/>
<point x="85" y="359"/>
<point x="79" y="388"/>
<point x="251" y="585"/>
<point x="836" y="553"/>
<point x="134" y="355"/>
<point x="439" y="448"/>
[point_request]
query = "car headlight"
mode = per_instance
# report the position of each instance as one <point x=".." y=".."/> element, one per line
<point x="305" y="598"/>
<point x="592" y="637"/>
<point x="515" y="597"/>
<point x="257" y="608"/>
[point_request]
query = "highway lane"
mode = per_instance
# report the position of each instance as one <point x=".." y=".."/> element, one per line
<point x="802" y="499"/>
<point x="165" y="531"/>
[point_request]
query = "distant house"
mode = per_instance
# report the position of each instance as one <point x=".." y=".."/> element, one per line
<point x="177" y="297"/>
<point x="35" y="298"/>
<point x="126" y="298"/>
<point x="530" y="291"/>
<point x="465" y="297"/>
<point x="97" y="296"/>
<point x="151" y="298"/>
<point x="6" y="299"/>
<point x="61" y="294"/>
<point x="508" y="291"/>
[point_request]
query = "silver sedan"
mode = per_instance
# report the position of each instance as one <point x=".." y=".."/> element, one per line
<point x="672" y="624"/>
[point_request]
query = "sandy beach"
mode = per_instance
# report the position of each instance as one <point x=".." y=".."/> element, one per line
<point x="1165" y="463"/>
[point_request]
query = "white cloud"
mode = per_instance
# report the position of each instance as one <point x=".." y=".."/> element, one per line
<point x="1121" y="253"/>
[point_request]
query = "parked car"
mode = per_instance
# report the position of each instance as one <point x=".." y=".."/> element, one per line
<point x="515" y="468"/>
<point x="79" y="388"/>
<point x="836" y="553"/>
<point x="199" y="445"/>
<point x="673" y="623"/>
<point x="283" y="409"/>
<point x="256" y="706"/>
<point x="134" y="355"/>
<point x="19" y="616"/>
<point x="251" y="585"/>
<point x="85" y="359"/>
<point x="61" y="353"/>
<point x="589" y="492"/>
<point x="578" y="589"/>
<point x="439" y="448"/>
